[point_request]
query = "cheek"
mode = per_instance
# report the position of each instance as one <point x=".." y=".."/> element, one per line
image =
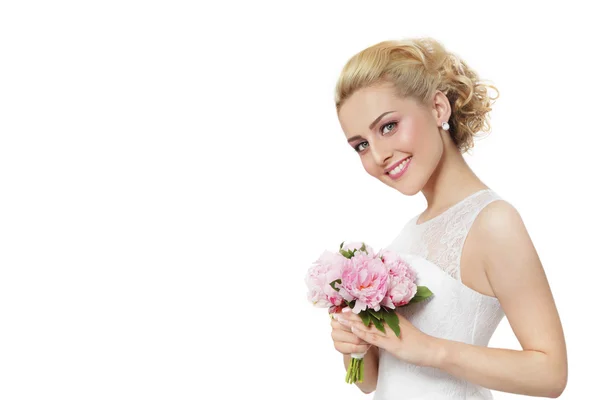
<point x="409" y="139"/>
<point x="368" y="165"/>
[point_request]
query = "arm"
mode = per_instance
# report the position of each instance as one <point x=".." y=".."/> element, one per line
<point x="371" y="364"/>
<point x="518" y="280"/>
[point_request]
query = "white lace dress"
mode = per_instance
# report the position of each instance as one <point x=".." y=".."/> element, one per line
<point x="454" y="312"/>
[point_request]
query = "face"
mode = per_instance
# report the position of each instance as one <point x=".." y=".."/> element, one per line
<point x="384" y="130"/>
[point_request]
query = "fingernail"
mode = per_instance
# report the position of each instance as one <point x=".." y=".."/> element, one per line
<point x="347" y="309"/>
<point x="342" y="321"/>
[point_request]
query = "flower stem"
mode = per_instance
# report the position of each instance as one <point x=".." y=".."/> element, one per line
<point x="361" y="371"/>
<point x="355" y="372"/>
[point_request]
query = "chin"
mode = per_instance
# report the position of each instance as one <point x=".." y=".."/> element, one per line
<point x="410" y="192"/>
<point x="405" y="188"/>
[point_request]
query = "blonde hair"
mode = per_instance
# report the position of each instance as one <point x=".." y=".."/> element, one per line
<point x="418" y="67"/>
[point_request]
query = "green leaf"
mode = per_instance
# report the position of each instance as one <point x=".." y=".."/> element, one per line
<point x="352" y="303"/>
<point x="422" y="293"/>
<point x="416" y="299"/>
<point x="341" y="245"/>
<point x="375" y="314"/>
<point x="363" y="247"/>
<point x="366" y="318"/>
<point x="346" y="253"/>
<point x="332" y="284"/>
<point x="391" y="319"/>
<point x="378" y="324"/>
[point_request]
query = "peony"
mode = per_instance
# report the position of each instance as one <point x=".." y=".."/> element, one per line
<point x="364" y="279"/>
<point x="388" y="257"/>
<point x="326" y="269"/>
<point x="400" y="293"/>
<point x="402" y="285"/>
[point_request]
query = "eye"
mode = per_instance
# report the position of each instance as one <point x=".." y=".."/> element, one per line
<point x="390" y="125"/>
<point x="385" y="129"/>
<point x="358" y="148"/>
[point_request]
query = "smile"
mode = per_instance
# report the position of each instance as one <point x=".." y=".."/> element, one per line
<point x="399" y="170"/>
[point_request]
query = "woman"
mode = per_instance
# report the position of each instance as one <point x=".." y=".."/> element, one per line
<point x="410" y="109"/>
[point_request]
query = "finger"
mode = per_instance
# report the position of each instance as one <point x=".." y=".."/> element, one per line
<point x="371" y="328"/>
<point x="336" y="325"/>
<point x="349" y="348"/>
<point x="347" y="321"/>
<point x="370" y="335"/>
<point x="347" y="337"/>
<point x="349" y="315"/>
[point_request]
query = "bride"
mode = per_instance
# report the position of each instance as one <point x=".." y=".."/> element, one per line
<point x="410" y="109"/>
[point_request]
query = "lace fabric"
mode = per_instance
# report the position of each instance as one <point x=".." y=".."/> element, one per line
<point x="454" y="312"/>
<point x="441" y="239"/>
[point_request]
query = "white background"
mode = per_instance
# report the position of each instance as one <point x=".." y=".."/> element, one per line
<point x="170" y="170"/>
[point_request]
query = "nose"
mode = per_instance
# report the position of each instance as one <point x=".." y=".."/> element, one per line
<point x="381" y="153"/>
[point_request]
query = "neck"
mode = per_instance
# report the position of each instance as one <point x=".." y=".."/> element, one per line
<point x="452" y="181"/>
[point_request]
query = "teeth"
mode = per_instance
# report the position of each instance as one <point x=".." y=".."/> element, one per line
<point x="399" y="167"/>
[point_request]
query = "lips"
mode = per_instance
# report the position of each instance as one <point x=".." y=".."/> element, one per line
<point x="387" y="170"/>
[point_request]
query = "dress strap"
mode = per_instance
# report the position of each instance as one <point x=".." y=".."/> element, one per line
<point x="459" y="225"/>
<point x="441" y="239"/>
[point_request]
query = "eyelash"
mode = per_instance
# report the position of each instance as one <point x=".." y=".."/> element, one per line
<point x="380" y="129"/>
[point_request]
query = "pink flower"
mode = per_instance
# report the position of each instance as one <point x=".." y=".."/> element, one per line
<point x="325" y="270"/>
<point x="364" y="279"/>
<point x="402" y="285"/>
<point x="388" y="257"/>
<point x="400" y="293"/>
<point x="396" y="264"/>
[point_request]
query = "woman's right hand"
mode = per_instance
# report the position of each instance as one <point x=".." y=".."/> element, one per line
<point x="344" y="340"/>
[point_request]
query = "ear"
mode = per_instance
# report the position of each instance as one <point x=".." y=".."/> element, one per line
<point x="441" y="108"/>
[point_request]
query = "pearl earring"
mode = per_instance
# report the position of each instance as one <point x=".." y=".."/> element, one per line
<point x="445" y="126"/>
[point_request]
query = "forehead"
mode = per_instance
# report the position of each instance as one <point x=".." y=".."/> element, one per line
<point x="366" y="104"/>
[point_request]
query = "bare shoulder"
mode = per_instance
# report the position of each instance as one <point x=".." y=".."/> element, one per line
<point x="476" y="247"/>
<point x="505" y="244"/>
<point x="517" y="278"/>
<point x="500" y="218"/>
<point x="505" y="247"/>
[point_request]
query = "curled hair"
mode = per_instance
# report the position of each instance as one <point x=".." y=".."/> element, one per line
<point x="418" y="67"/>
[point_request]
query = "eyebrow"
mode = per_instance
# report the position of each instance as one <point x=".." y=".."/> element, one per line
<point x="370" y="126"/>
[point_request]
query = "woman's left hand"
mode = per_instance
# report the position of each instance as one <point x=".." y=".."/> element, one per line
<point x="412" y="346"/>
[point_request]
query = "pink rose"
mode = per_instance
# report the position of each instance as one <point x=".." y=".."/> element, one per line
<point x="364" y="279"/>
<point x="325" y="270"/>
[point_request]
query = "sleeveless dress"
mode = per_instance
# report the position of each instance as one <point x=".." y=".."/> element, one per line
<point x="455" y="311"/>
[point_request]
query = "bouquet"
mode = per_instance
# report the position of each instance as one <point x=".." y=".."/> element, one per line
<point x="371" y="284"/>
